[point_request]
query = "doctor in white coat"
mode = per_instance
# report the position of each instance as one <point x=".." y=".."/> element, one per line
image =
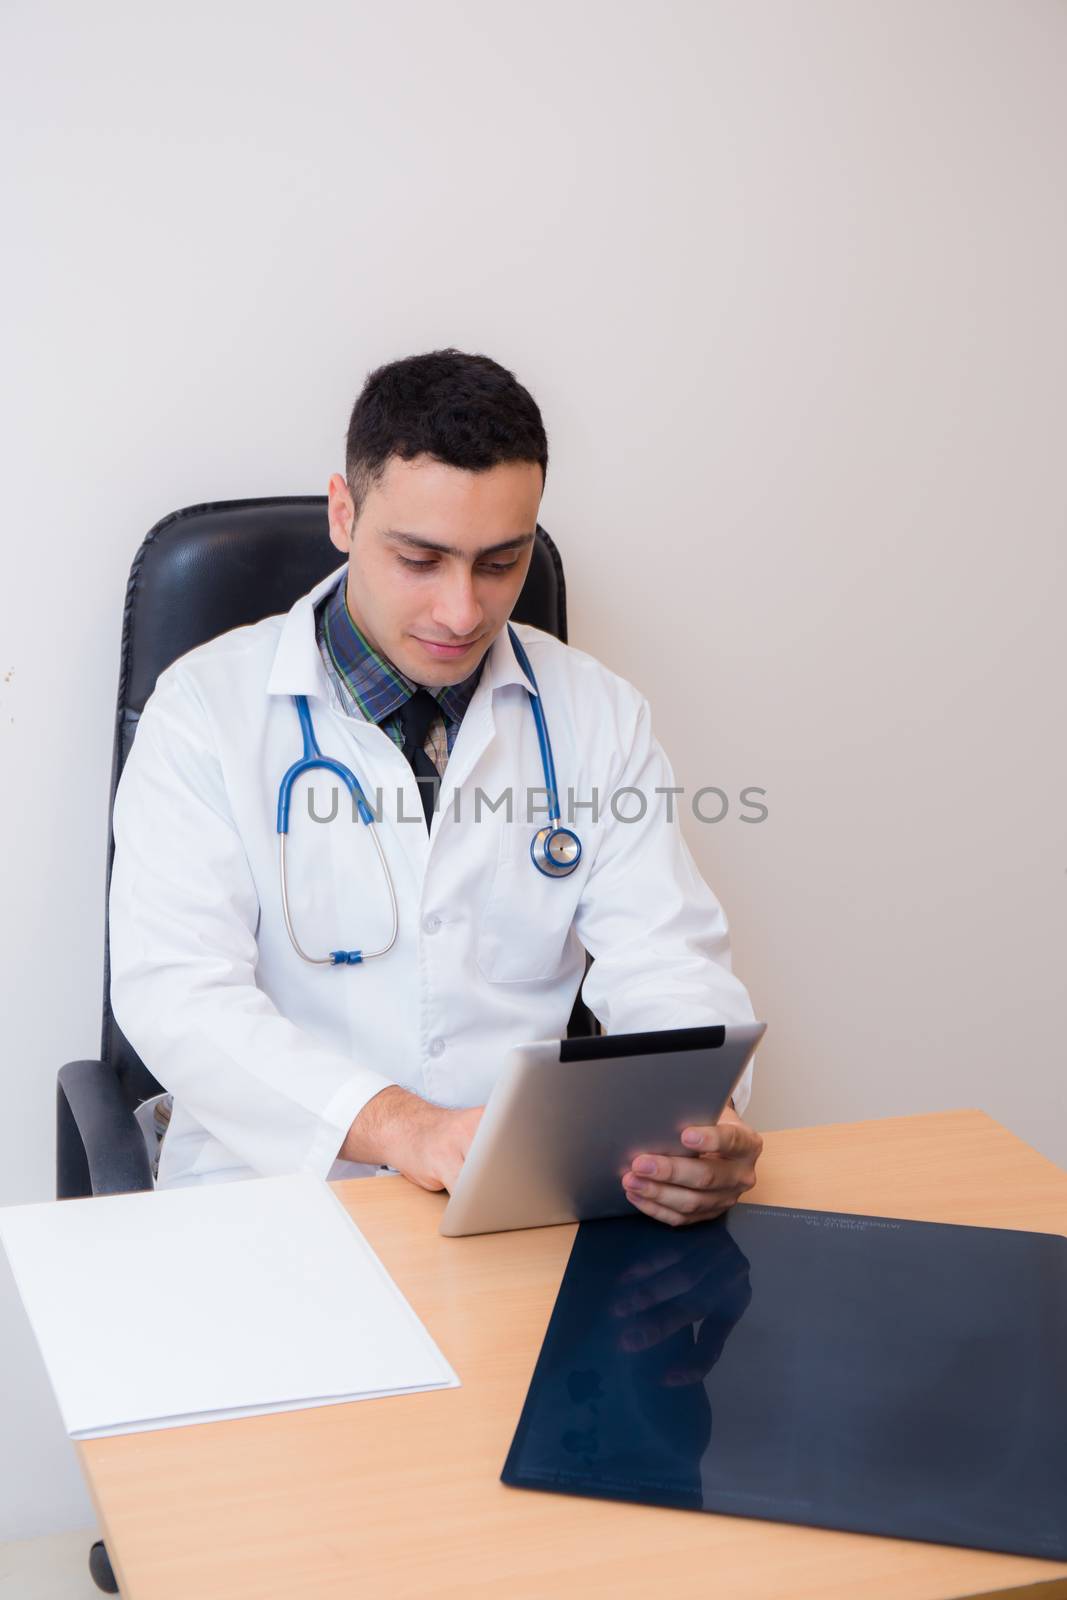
<point x="278" y="1064"/>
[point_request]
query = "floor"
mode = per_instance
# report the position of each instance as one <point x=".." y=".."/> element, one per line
<point x="55" y="1568"/>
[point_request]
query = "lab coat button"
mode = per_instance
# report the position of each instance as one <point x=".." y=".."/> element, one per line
<point x="436" y="1046"/>
<point x="431" y="923"/>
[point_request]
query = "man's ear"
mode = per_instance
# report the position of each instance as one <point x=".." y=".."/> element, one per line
<point x="341" y="512"/>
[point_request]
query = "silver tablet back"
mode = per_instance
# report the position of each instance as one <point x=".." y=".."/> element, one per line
<point x="566" y="1117"/>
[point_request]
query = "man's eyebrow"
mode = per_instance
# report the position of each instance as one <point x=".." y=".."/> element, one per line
<point x="417" y="541"/>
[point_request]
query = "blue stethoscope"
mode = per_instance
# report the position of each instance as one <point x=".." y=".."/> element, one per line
<point x="554" y="850"/>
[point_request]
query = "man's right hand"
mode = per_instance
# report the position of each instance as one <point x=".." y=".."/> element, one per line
<point x="427" y="1143"/>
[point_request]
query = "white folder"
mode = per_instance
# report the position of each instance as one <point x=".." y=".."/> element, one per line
<point x="220" y="1300"/>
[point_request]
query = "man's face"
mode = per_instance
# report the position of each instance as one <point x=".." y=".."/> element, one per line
<point x="436" y="560"/>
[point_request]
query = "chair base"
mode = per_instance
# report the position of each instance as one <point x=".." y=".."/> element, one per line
<point x="100" y="1569"/>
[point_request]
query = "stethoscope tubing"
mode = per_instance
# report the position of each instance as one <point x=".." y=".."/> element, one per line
<point x="313" y="760"/>
<point x="337" y="958"/>
<point x="548" y="765"/>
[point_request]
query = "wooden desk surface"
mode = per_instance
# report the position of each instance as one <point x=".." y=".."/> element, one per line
<point x="401" y="1497"/>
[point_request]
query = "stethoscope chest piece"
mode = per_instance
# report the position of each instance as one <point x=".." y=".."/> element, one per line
<point x="555" y="851"/>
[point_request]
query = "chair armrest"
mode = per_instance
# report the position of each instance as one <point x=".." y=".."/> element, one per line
<point x="99" y="1145"/>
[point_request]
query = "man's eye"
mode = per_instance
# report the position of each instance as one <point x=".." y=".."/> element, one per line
<point x="494" y="568"/>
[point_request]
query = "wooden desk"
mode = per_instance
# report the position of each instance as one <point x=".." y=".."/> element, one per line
<point x="401" y="1497"/>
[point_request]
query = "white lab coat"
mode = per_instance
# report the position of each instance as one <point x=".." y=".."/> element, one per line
<point x="270" y="1059"/>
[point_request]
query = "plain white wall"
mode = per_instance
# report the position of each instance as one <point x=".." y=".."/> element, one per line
<point x="787" y="281"/>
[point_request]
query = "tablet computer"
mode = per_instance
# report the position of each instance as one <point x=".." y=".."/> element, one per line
<point x="567" y="1116"/>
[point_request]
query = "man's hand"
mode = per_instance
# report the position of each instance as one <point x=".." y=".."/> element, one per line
<point x="428" y="1144"/>
<point x="682" y="1189"/>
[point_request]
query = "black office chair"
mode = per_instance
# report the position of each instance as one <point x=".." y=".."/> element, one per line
<point x="197" y="574"/>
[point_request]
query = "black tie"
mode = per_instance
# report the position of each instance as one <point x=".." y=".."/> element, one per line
<point x="415" y="717"/>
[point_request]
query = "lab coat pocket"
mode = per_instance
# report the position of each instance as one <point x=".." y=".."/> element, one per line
<point x="526" y="921"/>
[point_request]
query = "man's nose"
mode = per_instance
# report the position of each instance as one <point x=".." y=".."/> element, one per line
<point x="456" y="606"/>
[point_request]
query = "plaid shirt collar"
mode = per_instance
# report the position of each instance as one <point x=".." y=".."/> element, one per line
<point x="378" y="688"/>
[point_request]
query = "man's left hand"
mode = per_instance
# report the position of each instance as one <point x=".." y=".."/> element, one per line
<point x="684" y="1189"/>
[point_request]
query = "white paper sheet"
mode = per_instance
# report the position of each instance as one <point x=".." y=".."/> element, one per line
<point x="214" y="1301"/>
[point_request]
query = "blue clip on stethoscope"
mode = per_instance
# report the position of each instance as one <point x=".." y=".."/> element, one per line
<point x="554" y="850"/>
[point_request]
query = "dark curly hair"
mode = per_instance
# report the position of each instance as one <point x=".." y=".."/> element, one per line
<point x="464" y="410"/>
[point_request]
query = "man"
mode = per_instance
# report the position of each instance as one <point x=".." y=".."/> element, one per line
<point x="279" y="1061"/>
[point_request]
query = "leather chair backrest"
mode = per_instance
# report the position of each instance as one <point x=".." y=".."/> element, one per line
<point x="210" y="568"/>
